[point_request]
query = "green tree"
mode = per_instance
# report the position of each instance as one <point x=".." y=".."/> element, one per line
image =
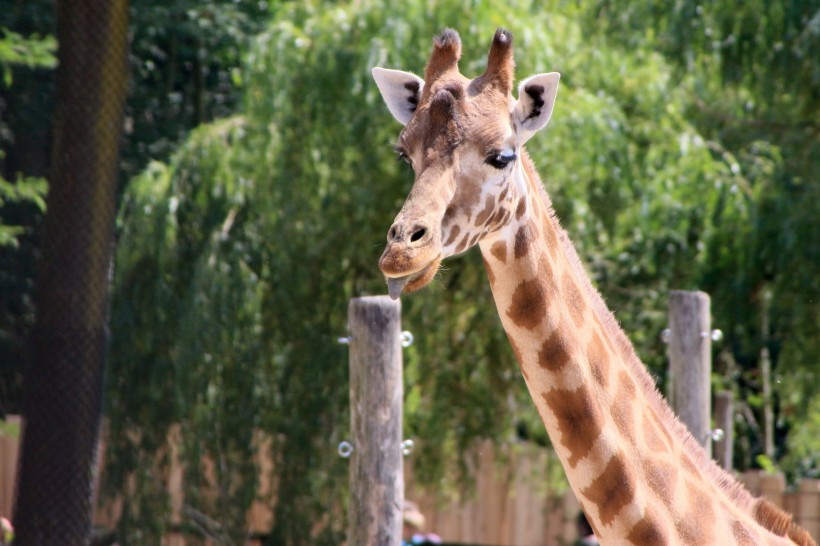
<point x="22" y="203"/>
<point x="185" y="66"/>
<point x="32" y="52"/>
<point x="754" y="96"/>
<point x="238" y="255"/>
<point x="184" y="60"/>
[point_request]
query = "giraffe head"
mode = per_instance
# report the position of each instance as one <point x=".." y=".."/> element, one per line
<point x="463" y="139"/>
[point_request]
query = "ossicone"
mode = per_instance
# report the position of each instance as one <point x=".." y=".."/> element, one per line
<point x="445" y="55"/>
<point x="500" y="64"/>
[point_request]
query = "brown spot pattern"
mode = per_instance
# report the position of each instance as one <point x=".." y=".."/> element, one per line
<point x="662" y="429"/>
<point x="687" y="465"/>
<point x="490" y="272"/>
<point x="661" y="478"/>
<point x="691" y="532"/>
<point x="503" y="194"/>
<point x="523" y="240"/>
<point x="652" y="437"/>
<point x="528" y="306"/>
<point x="612" y="490"/>
<point x="515" y="349"/>
<point x="579" y="420"/>
<point x="550" y="240"/>
<point x="518" y="356"/>
<point x="625" y="382"/>
<point x="448" y="215"/>
<point x="522" y="206"/>
<point x="623" y="407"/>
<point x="742" y="535"/>
<point x="452" y="237"/>
<point x="495" y="219"/>
<point x="697" y="526"/>
<point x="463" y="244"/>
<point x="574" y="298"/>
<point x="598" y="360"/>
<point x="489" y="205"/>
<point x="498" y="219"/>
<point x="506" y="217"/>
<point x="554" y="354"/>
<point x="623" y="414"/>
<point x="499" y="251"/>
<point x="647" y="532"/>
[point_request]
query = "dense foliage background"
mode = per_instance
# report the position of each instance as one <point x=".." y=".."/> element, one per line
<point x="259" y="182"/>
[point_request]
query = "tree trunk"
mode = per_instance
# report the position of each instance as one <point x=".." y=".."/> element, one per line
<point x="63" y="383"/>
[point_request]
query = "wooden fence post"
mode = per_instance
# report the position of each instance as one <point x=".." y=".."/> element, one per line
<point x="690" y="361"/>
<point x="376" y="465"/>
<point x="725" y="421"/>
<point x="808" y="512"/>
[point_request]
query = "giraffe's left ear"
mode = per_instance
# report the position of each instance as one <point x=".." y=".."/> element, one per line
<point x="400" y="90"/>
<point x="536" y="97"/>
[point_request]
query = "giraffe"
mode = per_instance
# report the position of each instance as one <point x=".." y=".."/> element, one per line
<point x="638" y="474"/>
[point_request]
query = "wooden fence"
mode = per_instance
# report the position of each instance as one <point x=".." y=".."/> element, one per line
<point x="505" y="509"/>
<point x="9" y="448"/>
<point x="803" y="503"/>
<point x="510" y="506"/>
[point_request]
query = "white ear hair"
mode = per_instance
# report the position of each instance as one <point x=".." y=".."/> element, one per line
<point x="536" y="98"/>
<point x="400" y="91"/>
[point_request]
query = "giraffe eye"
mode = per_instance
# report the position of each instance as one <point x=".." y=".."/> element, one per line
<point x="403" y="156"/>
<point x="499" y="160"/>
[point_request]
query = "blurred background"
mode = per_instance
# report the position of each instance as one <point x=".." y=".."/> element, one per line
<point x="256" y="184"/>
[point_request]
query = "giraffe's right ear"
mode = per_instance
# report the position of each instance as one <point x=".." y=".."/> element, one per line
<point x="400" y="90"/>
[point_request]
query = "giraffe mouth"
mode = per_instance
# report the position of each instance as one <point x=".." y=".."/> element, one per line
<point x="396" y="286"/>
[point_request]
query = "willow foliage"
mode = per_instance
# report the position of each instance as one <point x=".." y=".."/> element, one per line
<point x="755" y="98"/>
<point x="236" y="259"/>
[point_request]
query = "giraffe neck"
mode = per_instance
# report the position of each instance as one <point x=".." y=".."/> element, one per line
<point x="639" y="475"/>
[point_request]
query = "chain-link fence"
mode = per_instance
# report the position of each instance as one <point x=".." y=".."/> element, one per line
<point x="64" y="380"/>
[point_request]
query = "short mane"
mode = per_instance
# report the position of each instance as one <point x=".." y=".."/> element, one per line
<point x="723" y="480"/>
<point x="765" y="513"/>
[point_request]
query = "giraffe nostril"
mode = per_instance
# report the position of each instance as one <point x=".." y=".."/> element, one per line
<point x="391" y="235"/>
<point x="418" y="234"/>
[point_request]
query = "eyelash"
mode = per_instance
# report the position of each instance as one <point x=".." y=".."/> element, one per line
<point x="402" y="155"/>
<point x="500" y="161"/>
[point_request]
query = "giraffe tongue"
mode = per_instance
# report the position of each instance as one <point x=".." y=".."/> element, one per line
<point x="396" y="286"/>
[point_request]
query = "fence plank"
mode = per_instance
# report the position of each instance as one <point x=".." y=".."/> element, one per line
<point x="807" y="512"/>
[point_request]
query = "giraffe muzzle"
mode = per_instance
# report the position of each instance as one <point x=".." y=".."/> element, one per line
<point x="411" y="258"/>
